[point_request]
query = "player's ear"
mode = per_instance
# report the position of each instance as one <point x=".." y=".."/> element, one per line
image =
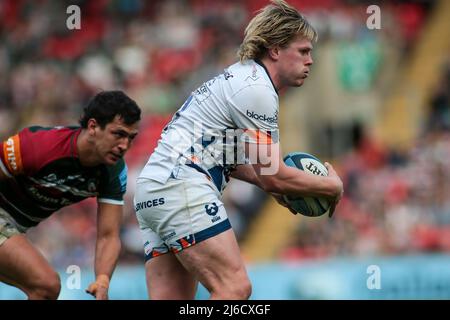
<point x="274" y="53"/>
<point x="91" y="125"/>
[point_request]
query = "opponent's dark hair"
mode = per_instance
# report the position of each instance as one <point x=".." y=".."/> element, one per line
<point x="106" y="105"/>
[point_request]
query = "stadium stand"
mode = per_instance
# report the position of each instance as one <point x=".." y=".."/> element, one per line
<point x="159" y="50"/>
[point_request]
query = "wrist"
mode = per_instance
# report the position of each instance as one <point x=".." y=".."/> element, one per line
<point x="102" y="280"/>
<point x="338" y="187"/>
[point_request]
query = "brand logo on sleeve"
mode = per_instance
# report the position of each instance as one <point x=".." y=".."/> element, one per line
<point x="11" y="151"/>
<point x="262" y="117"/>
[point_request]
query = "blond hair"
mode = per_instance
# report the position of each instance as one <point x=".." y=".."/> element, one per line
<point x="275" y="25"/>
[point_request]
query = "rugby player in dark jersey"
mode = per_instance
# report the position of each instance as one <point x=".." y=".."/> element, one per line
<point x="45" y="169"/>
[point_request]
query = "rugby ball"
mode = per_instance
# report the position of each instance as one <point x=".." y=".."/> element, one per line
<point x="307" y="206"/>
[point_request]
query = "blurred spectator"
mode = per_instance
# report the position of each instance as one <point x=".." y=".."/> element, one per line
<point x="394" y="203"/>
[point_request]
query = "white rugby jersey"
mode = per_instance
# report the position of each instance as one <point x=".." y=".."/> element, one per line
<point x="238" y="105"/>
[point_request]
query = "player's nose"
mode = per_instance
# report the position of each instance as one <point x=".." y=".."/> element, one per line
<point x="124" y="145"/>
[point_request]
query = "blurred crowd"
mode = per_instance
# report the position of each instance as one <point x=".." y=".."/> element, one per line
<point x="396" y="202"/>
<point x="158" y="52"/>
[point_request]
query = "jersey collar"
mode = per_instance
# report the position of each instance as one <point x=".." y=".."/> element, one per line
<point x="73" y="143"/>
<point x="268" y="74"/>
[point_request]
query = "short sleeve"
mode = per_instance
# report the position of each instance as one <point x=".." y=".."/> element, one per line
<point x="11" y="159"/>
<point x="114" y="184"/>
<point x="254" y="109"/>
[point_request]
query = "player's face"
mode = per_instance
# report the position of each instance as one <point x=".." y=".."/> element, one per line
<point x="294" y="62"/>
<point x="114" y="140"/>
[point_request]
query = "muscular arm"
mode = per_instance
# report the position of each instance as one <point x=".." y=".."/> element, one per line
<point x="246" y="173"/>
<point x="277" y="178"/>
<point x="286" y="181"/>
<point x="108" y="245"/>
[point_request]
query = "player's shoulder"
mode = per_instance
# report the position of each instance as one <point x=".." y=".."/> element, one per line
<point x="35" y="147"/>
<point x="248" y="73"/>
<point x="57" y="132"/>
<point x="250" y="80"/>
<point x="48" y="142"/>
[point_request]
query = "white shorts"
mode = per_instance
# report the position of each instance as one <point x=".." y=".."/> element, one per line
<point x="179" y="213"/>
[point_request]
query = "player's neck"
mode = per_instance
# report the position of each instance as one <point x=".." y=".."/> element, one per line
<point x="270" y="68"/>
<point x="85" y="150"/>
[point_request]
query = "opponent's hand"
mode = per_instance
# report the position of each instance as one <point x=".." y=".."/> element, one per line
<point x="281" y="201"/>
<point x="99" y="288"/>
<point x="339" y="189"/>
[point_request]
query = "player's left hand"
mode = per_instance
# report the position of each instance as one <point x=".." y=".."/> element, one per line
<point x="99" y="288"/>
<point x="339" y="189"/>
<point x="281" y="201"/>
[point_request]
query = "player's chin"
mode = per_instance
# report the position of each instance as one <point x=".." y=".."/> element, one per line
<point x="111" y="159"/>
<point x="299" y="82"/>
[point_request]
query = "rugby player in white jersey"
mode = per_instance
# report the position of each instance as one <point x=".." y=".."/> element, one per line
<point x="217" y="133"/>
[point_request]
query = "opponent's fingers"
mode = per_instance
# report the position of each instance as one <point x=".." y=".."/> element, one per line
<point x="101" y="284"/>
<point x="101" y="293"/>
<point x="92" y="289"/>
<point x="98" y="292"/>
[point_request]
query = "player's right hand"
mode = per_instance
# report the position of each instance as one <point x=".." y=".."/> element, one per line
<point x="339" y="188"/>
<point x="99" y="288"/>
<point x="281" y="201"/>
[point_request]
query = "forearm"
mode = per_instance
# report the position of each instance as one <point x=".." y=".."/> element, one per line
<point x="290" y="181"/>
<point x="246" y="173"/>
<point x="106" y="255"/>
